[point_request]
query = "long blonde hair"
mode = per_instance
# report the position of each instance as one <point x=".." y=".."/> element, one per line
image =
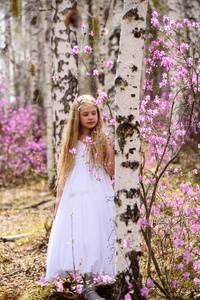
<point x="70" y="139"/>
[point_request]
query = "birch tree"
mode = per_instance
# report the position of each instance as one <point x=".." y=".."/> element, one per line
<point x="34" y="32"/>
<point x="64" y="37"/>
<point x="7" y="53"/>
<point x="127" y="145"/>
<point x="46" y="37"/>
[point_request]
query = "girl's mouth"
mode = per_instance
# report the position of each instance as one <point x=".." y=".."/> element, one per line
<point x="90" y="123"/>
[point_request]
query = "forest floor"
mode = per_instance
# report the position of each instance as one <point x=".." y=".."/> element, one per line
<point x="22" y="261"/>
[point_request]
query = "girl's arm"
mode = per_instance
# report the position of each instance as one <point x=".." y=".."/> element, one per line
<point x="58" y="198"/>
<point x="110" y="161"/>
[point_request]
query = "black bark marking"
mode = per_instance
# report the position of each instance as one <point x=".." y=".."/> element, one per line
<point x="131" y="214"/>
<point x="134" y="68"/>
<point x="132" y="193"/>
<point x="133" y="12"/>
<point x="120" y="81"/>
<point x="131" y="150"/>
<point x="133" y="165"/>
<point x="132" y="275"/>
<point x="125" y="129"/>
<point x="138" y="32"/>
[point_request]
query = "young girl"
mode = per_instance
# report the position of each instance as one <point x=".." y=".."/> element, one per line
<point x="82" y="238"/>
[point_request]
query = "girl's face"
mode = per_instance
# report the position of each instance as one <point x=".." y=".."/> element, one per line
<point x="88" y="117"/>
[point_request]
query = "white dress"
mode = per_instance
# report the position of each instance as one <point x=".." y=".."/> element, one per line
<point x="83" y="233"/>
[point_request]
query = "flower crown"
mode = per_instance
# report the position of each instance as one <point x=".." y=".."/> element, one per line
<point x="85" y="99"/>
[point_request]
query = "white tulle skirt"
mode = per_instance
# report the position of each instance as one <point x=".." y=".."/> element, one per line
<point x="83" y="232"/>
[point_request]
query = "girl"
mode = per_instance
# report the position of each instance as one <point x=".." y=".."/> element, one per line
<point x="82" y="238"/>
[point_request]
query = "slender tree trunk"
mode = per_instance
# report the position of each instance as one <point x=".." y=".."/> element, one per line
<point x="65" y="65"/>
<point x="191" y="9"/>
<point x="113" y="27"/>
<point x="7" y="55"/>
<point x="127" y="191"/>
<point x="34" y="32"/>
<point x="47" y="84"/>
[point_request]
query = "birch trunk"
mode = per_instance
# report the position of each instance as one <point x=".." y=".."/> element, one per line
<point x="191" y="9"/>
<point x="46" y="37"/>
<point x="127" y="191"/>
<point x="112" y="45"/>
<point x="7" y="54"/>
<point x="65" y="65"/>
<point x="34" y="32"/>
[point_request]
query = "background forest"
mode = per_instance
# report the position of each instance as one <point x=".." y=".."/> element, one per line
<point x="140" y="60"/>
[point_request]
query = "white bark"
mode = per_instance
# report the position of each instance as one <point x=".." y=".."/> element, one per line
<point x="127" y="84"/>
<point x="34" y="39"/>
<point x="65" y="89"/>
<point x="46" y="37"/>
<point x="7" y="55"/>
<point x="192" y="9"/>
<point x="113" y="27"/>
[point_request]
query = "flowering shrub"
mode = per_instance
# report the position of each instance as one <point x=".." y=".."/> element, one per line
<point x="22" y="147"/>
<point x="170" y="221"/>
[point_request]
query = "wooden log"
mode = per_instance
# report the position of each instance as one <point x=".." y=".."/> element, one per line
<point x="14" y="237"/>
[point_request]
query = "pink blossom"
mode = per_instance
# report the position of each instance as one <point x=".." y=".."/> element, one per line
<point x="88" y="74"/>
<point x="113" y="182"/>
<point x="95" y="72"/>
<point x="130" y="286"/>
<point x="126" y="243"/>
<point x="178" y="243"/>
<point x="88" y="49"/>
<point x="175" y="283"/>
<point x="140" y="178"/>
<point x="109" y="63"/>
<point x="95" y="280"/>
<point x="102" y="94"/>
<point x="83" y="26"/>
<point x="106" y="278"/>
<point x="152" y="181"/>
<point x="141" y="222"/>
<point x="76" y="100"/>
<point x="59" y="287"/>
<point x="98" y="102"/>
<point x="127" y="297"/>
<point x="144" y="291"/>
<point x="42" y="281"/>
<point x="88" y="139"/>
<point x="195" y="24"/>
<point x="194" y="171"/>
<point x="196" y="281"/>
<point x="75" y="50"/>
<point x="76" y="277"/>
<point x="198" y="146"/>
<point x="79" y="289"/>
<point x="150" y="35"/>
<point x="72" y="151"/>
<point x="91" y="33"/>
<point x="187" y="256"/>
<point x="90" y="170"/>
<point x="56" y="278"/>
<point x="165" y="18"/>
<point x="180" y="267"/>
<point x="104" y="115"/>
<point x="154" y="14"/>
<point x="149" y="282"/>
<point x="55" y="77"/>
<point x="186" y="275"/>
<point x="112" y="122"/>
